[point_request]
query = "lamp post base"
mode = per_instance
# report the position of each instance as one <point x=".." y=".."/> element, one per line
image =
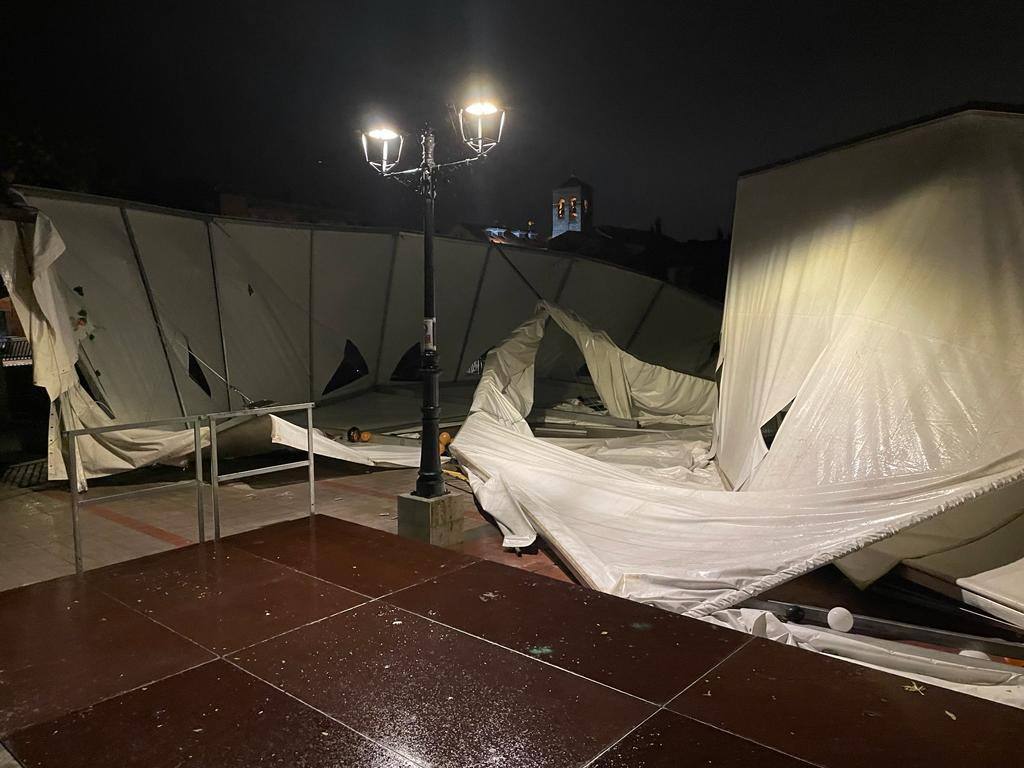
<point x="436" y="521"/>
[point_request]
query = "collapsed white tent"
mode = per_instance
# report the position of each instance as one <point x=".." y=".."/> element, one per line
<point x="170" y="313"/>
<point x="645" y="516"/>
<point x="28" y="269"/>
<point x="875" y="291"/>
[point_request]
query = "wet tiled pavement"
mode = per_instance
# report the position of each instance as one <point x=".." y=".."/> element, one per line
<point x="616" y="642"/>
<point x="332" y="644"/>
<point x="35" y="523"/>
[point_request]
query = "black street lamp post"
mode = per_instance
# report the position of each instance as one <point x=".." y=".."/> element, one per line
<point x="481" y="138"/>
<point x="429" y="481"/>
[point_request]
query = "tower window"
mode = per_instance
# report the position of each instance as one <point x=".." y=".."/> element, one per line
<point x="561" y="207"/>
<point x="573" y="213"/>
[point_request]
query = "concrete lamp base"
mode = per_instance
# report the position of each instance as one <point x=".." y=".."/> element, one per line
<point x="436" y="521"/>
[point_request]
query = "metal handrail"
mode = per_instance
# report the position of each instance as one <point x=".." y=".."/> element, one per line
<point x="262" y="410"/>
<point x="216" y="478"/>
<point x="135" y="425"/>
<point x="212" y="419"/>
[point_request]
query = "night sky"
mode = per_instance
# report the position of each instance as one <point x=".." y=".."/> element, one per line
<point x="658" y="105"/>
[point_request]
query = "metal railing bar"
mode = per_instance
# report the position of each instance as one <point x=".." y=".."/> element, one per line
<point x="262" y="471"/>
<point x="137" y="492"/>
<point x="195" y="424"/>
<point x="310" y="462"/>
<point x="200" y="512"/>
<point x="133" y="425"/>
<point x="214" y="478"/>
<point x="189" y="419"/>
<point x="258" y="411"/>
<point x="76" y="533"/>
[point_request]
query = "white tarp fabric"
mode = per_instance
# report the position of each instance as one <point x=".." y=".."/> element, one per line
<point x="119" y="451"/>
<point x="496" y="431"/>
<point x="675" y="540"/>
<point x="263" y="281"/>
<point x="175" y="252"/>
<point x="352" y="271"/>
<point x="112" y="320"/>
<point x="278" y="309"/>
<point x="975" y="677"/>
<point x="646" y="517"/>
<point x="878" y="288"/>
<point x="41" y="301"/>
<point x="28" y="272"/>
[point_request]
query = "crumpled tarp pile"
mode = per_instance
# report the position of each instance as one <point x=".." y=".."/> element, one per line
<point x="875" y="299"/>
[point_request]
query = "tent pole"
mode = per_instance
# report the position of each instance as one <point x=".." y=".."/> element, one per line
<point x="472" y="313"/>
<point x="519" y="274"/>
<point x="644" y="316"/>
<point x="220" y="318"/>
<point x="565" y="281"/>
<point x="152" y="305"/>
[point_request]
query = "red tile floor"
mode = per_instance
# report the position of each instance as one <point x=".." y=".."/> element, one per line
<point x="35" y="529"/>
<point x="327" y="643"/>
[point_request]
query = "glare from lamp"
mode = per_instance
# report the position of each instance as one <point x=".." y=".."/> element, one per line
<point x="479" y="108"/>
<point x="382" y="134"/>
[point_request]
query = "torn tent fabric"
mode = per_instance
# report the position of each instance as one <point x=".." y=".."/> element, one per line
<point x="41" y="300"/>
<point x="874" y="308"/>
<point x="646" y="517"/>
<point x="669" y="534"/>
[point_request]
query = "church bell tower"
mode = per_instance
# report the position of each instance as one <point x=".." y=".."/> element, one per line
<point x="572" y="207"/>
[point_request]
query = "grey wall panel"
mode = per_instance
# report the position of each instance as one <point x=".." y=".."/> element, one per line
<point x="457" y="267"/>
<point x="350" y="285"/>
<point x="263" y="274"/>
<point x="124" y="347"/>
<point x="680" y="332"/>
<point x="505" y="299"/>
<point x="175" y="252"/>
<point x="611" y="299"/>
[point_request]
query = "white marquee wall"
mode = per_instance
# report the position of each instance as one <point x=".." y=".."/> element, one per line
<point x="271" y="306"/>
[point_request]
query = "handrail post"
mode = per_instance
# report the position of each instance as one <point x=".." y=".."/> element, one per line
<point x="309" y="440"/>
<point x="214" y="477"/>
<point x="200" y="512"/>
<point x="76" y="533"/>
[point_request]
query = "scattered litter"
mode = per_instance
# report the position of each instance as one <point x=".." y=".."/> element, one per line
<point x="950" y="715"/>
<point x="541" y="650"/>
<point x="396" y="621"/>
<point x="197" y="730"/>
<point x="915" y="688"/>
<point x="489" y="596"/>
